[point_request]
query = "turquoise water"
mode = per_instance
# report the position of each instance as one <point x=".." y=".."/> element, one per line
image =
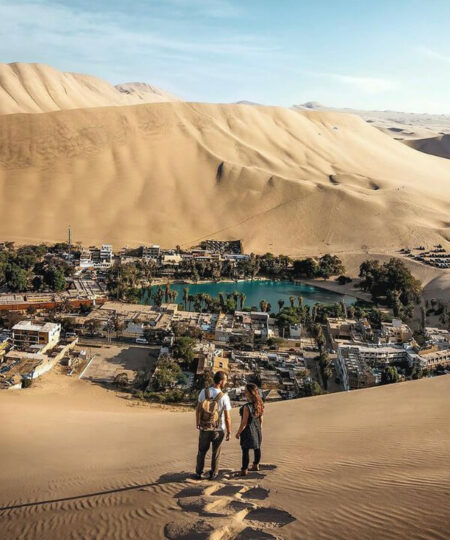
<point x="255" y="291"/>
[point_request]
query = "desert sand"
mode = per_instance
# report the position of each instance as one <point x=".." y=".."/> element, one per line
<point x="77" y="461"/>
<point x="399" y="125"/>
<point x="35" y="88"/>
<point x="174" y="173"/>
<point x="437" y="146"/>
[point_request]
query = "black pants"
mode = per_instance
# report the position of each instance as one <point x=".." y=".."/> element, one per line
<point x="246" y="457"/>
<point x="206" y="438"/>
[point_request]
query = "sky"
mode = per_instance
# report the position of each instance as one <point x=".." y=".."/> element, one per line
<point x="383" y="54"/>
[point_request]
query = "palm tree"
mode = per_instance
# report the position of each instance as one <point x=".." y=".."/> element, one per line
<point x="190" y="300"/>
<point x="300" y="301"/>
<point x="166" y="292"/>
<point x="280" y="304"/>
<point x="185" y="296"/>
<point x="221" y="299"/>
<point x="198" y="302"/>
<point x="292" y="301"/>
<point x="207" y="298"/>
<point x="242" y="298"/>
<point x="235" y="296"/>
<point x="263" y="305"/>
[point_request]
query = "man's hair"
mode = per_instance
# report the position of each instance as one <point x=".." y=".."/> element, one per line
<point x="219" y="376"/>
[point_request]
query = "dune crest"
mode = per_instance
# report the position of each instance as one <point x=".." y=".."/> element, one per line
<point x="35" y="88"/>
<point x="436" y="146"/>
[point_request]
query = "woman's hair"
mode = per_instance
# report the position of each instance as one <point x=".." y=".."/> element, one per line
<point x="255" y="396"/>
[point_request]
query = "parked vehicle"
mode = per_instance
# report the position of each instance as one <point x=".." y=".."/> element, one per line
<point x="141" y="341"/>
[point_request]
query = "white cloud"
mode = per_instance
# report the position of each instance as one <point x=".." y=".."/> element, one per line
<point x="368" y="85"/>
<point x="371" y="85"/>
<point x="211" y="8"/>
<point x="430" y="53"/>
<point x="44" y="28"/>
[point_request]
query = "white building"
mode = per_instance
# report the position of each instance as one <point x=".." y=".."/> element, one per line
<point x="356" y="365"/>
<point x="437" y="358"/>
<point x="438" y="337"/>
<point x="295" y="331"/>
<point x="38" y="336"/>
<point x="395" y="332"/>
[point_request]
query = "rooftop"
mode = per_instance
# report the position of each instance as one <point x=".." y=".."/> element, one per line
<point x="28" y="325"/>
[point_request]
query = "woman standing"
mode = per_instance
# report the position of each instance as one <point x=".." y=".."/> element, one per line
<point x="250" y="432"/>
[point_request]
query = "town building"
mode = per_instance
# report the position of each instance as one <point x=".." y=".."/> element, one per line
<point x="345" y="331"/>
<point x="352" y="369"/>
<point x="438" y="337"/>
<point x="359" y="366"/>
<point x="209" y="359"/>
<point x="396" y="332"/>
<point x="433" y="359"/>
<point x="151" y="252"/>
<point x="39" y="336"/>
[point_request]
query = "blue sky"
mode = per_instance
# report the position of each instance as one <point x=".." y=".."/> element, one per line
<point x="384" y="54"/>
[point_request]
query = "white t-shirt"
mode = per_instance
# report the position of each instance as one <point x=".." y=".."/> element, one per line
<point x="223" y="404"/>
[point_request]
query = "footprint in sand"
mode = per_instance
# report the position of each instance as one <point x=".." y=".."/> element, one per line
<point x="227" y="510"/>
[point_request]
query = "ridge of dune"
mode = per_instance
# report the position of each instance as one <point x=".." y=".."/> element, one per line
<point x="364" y="464"/>
<point x="36" y="88"/>
<point x="436" y="146"/>
<point x="175" y="173"/>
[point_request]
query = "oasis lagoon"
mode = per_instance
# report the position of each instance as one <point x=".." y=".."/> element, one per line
<point x="255" y="291"/>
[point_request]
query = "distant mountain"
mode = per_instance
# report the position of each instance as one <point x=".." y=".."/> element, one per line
<point x="36" y="88"/>
<point x="246" y="102"/>
<point x="145" y="93"/>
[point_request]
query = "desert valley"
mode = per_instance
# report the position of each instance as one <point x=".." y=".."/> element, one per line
<point x="149" y="242"/>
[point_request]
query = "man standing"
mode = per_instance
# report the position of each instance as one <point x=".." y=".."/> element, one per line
<point x="212" y="418"/>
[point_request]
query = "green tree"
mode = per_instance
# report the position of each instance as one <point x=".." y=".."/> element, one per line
<point x="306" y="267"/>
<point x="16" y="278"/>
<point x="183" y="348"/>
<point x="185" y="296"/>
<point x="167" y="374"/>
<point x="330" y="265"/>
<point x="389" y="375"/>
<point x="280" y="304"/>
<point x="55" y="279"/>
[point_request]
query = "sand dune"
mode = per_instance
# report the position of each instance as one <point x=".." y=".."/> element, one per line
<point x="365" y="464"/>
<point x="35" y="88"/>
<point x="175" y="173"/>
<point x="437" y="146"/>
<point x="398" y="125"/>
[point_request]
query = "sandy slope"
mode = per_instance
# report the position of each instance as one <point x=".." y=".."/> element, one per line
<point x="365" y="464"/>
<point x="437" y="146"/>
<point x="174" y="173"/>
<point x="34" y="88"/>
